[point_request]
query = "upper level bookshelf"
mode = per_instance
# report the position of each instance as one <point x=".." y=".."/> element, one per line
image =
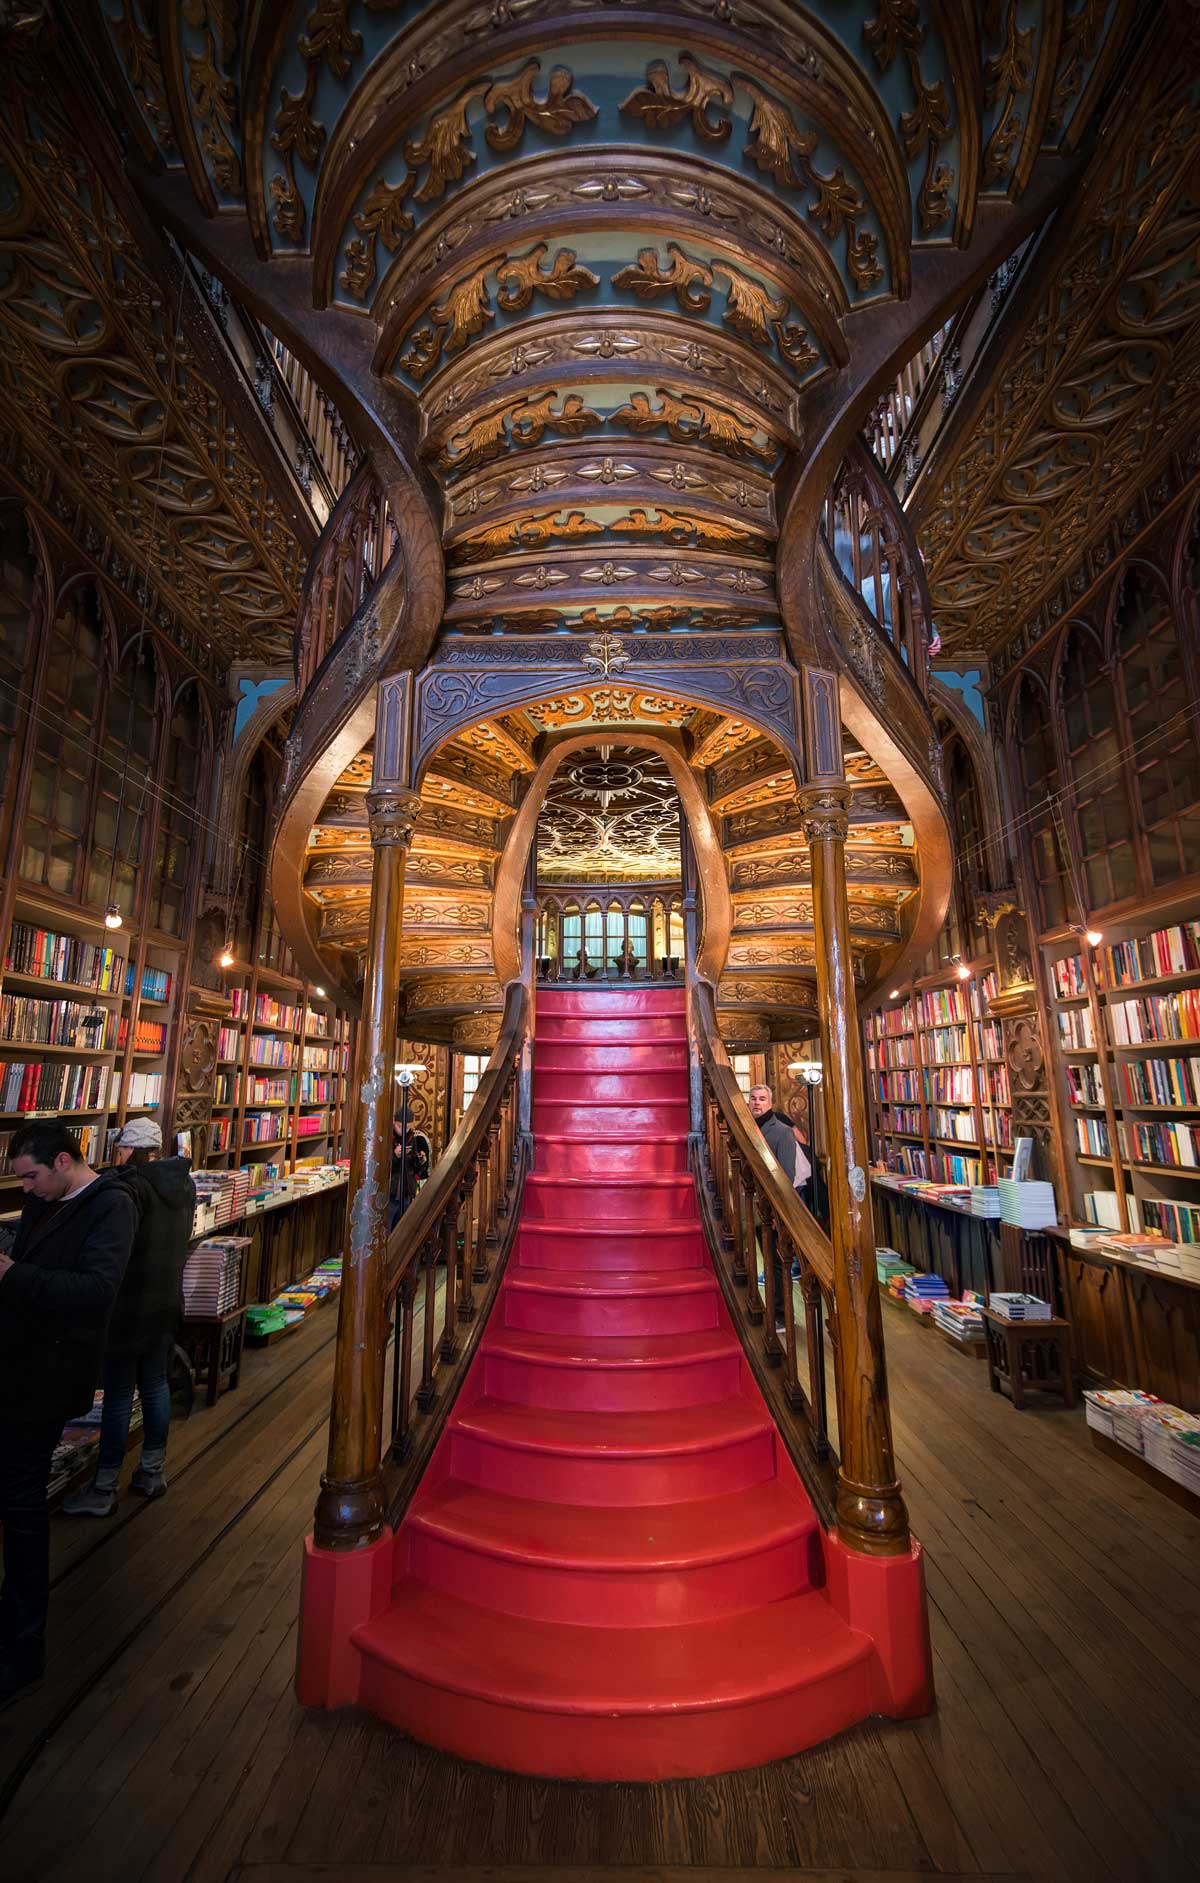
<point x="1127" y="1034"/>
<point x="937" y="1083"/>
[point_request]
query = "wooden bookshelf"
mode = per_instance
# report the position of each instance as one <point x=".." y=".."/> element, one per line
<point x="114" y="992"/>
<point x="937" y="1084"/>
<point x="1128" y="1069"/>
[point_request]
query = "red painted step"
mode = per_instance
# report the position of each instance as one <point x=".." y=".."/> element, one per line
<point x="564" y="1243"/>
<point x="610" y="1569"/>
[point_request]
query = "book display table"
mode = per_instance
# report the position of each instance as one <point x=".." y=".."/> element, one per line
<point x="1029" y="1354"/>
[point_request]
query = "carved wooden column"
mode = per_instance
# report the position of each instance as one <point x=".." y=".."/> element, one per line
<point x="870" y="1508"/>
<point x="350" y="1508"/>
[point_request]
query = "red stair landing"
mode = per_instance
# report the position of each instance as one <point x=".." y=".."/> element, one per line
<point x="611" y="1569"/>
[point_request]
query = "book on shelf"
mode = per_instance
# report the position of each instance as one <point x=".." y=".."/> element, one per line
<point x="1159" y="1081"/>
<point x="149" y="1036"/>
<point x="1012" y="1305"/>
<point x="52" y="1086"/>
<point x="1103" y="1208"/>
<point x="264" y="1091"/>
<point x="1176" y="1220"/>
<point x="950" y="1085"/>
<point x="261" y="1127"/>
<point x="312" y="1124"/>
<point x="28" y="1020"/>
<point x="156" y="982"/>
<point x="1027" y="1204"/>
<point x="229" y="1043"/>
<point x="268" y="1049"/>
<point x="900" y="1088"/>
<point x="1092" y="1136"/>
<point x="49" y="956"/>
<point x="959" y="1125"/>
<point x="220" y="1135"/>
<point x="91" y="1143"/>
<point x="144" y="1092"/>
<point x="1173" y="1016"/>
<point x="1167" y="1143"/>
<point x="1068" y="978"/>
<point x="1083" y="1084"/>
<point x="943" y="1044"/>
<point x="1167" y="951"/>
<point x="885" y="1054"/>
<point x="940" y="1006"/>
<point x="1075" y="1030"/>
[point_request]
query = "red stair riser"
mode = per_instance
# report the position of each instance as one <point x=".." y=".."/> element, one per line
<point x="611" y="1389"/>
<point x="602" y="1157"/>
<point x="610" y="1598"/>
<point x="613" y="1478"/>
<point x="638" y="1031"/>
<point x="642" y="1747"/>
<point x="609" y="1093"/>
<point x="575" y="1057"/>
<point x="577" y="1312"/>
<point x="657" y="1118"/>
<point x="623" y="1002"/>
<point x="546" y="1245"/>
<point x="549" y="1198"/>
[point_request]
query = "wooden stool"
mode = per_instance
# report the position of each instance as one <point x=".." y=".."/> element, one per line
<point x="215" y="1346"/>
<point x="1029" y="1353"/>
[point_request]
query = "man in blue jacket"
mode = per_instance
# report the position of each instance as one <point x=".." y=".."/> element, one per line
<point x="57" y="1289"/>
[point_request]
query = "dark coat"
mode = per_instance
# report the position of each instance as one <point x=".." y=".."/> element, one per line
<point x="150" y="1303"/>
<point x="56" y="1300"/>
<point x="780" y="1139"/>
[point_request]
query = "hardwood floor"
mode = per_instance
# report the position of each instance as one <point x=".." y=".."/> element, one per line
<point x="1065" y="1611"/>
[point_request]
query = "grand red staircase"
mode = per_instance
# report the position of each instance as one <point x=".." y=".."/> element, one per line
<point x="611" y="1569"/>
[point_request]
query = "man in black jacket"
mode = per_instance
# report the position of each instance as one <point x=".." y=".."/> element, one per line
<point x="56" y="1293"/>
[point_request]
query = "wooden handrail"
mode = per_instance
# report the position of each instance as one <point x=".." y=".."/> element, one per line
<point x="457" y="1216"/>
<point x="746" y="1204"/>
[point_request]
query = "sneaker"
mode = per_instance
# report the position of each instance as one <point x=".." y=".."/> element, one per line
<point x="149" y="1483"/>
<point x="91" y="1501"/>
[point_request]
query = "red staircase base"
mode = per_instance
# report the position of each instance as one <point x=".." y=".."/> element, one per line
<point x="610" y="1569"/>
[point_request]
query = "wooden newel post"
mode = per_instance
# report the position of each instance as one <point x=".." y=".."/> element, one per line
<point x="350" y="1508"/>
<point x="870" y="1507"/>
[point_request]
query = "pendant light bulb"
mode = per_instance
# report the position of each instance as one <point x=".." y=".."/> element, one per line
<point x="1093" y="937"/>
<point x="225" y="958"/>
<point x="319" y="992"/>
<point x="112" y="916"/>
<point x="964" y="972"/>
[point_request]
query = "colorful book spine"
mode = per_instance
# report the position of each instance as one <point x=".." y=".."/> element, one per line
<point x="1083" y="1084"/>
<point x="1173" y="1144"/>
<point x="1069" y="982"/>
<point x="1092" y="1136"/>
<point x="48" y="956"/>
<point x="27" y="1021"/>
<point x="950" y="1085"/>
<point x="1167" y="951"/>
<point x="1075" y="1030"/>
<point x="1157" y="1017"/>
<point x="945" y="1045"/>
<point x="29" y="1086"/>
<point x="959" y="1125"/>
<point x="1160" y="1081"/>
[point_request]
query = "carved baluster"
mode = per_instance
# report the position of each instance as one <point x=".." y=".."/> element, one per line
<point x="770" y="1247"/>
<point x="737" y="1226"/>
<point x="449" y="1345"/>
<point x="754" y="1300"/>
<point x="814" y="1339"/>
<point x="791" y="1380"/>
<point x="495" y="1174"/>
<point x="483" y="1164"/>
<point x="402" y="1400"/>
<point x="427" y="1391"/>
<point x="466" y="1279"/>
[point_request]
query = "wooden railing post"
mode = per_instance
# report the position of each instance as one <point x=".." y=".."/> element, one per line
<point x="350" y="1508"/>
<point x="870" y="1508"/>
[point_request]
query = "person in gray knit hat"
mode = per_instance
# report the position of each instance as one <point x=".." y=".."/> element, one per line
<point x="145" y="1319"/>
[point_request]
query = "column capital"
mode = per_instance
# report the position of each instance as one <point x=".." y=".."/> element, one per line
<point x="826" y="811"/>
<point x="392" y="816"/>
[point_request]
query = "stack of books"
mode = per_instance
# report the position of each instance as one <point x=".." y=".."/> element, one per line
<point x="960" y="1321"/>
<point x="921" y="1291"/>
<point x="1171" y="1443"/>
<point x="985" y="1200"/>
<point x="212" y="1277"/>
<point x="1118" y="1414"/>
<point x="1019" y="1307"/>
<point x="1027" y="1205"/>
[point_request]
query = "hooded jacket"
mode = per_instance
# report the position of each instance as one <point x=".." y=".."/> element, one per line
<point x="150" y="1303"/>
<point x="55" y="1301"/>
<point x="780" y="1140"/>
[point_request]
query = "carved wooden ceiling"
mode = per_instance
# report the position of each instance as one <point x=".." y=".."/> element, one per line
<point x="111" y="377"/>
<point x="1099" y="380"/>
<point x="611" y="815"/>
<point x="608" y="251"/>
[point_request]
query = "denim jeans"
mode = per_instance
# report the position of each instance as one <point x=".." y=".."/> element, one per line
<point x="148" y="1373"/>
<point x="25" y="1453"/>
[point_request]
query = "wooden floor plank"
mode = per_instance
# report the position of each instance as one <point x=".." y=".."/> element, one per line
<point x="1064" y="1635"/>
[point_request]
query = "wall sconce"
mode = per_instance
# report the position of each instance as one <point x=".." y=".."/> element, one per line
<point x="408" y="1072"/>
<point x="807" y="1070"/>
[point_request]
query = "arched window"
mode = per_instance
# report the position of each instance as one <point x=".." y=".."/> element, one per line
<point x="1037" y="767"/>
<point x="1092" y="738"/>
<point x="593" y="934"/>
<point x="572" y="935"/>
<point x="614" y="935"/>
<point x="18" y="585"/>
<point x="180" y="811"/>
<point x="64" y="755"/>
<point x="637" y="934"/>
<point x="960" y="934"/>
<point x="1163" y="758"/>
<point x="123" y="780"/>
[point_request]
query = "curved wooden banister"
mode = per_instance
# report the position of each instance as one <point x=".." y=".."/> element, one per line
<point x="747" y="1204"/>
<point x="463" y="1215"/>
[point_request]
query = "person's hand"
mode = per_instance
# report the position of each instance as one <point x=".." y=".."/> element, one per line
<point x="6" y="1262"/>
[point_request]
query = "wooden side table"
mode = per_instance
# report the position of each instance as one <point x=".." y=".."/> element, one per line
<point x="215" y="1346"/>
<point x="1023" y="1354"/>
